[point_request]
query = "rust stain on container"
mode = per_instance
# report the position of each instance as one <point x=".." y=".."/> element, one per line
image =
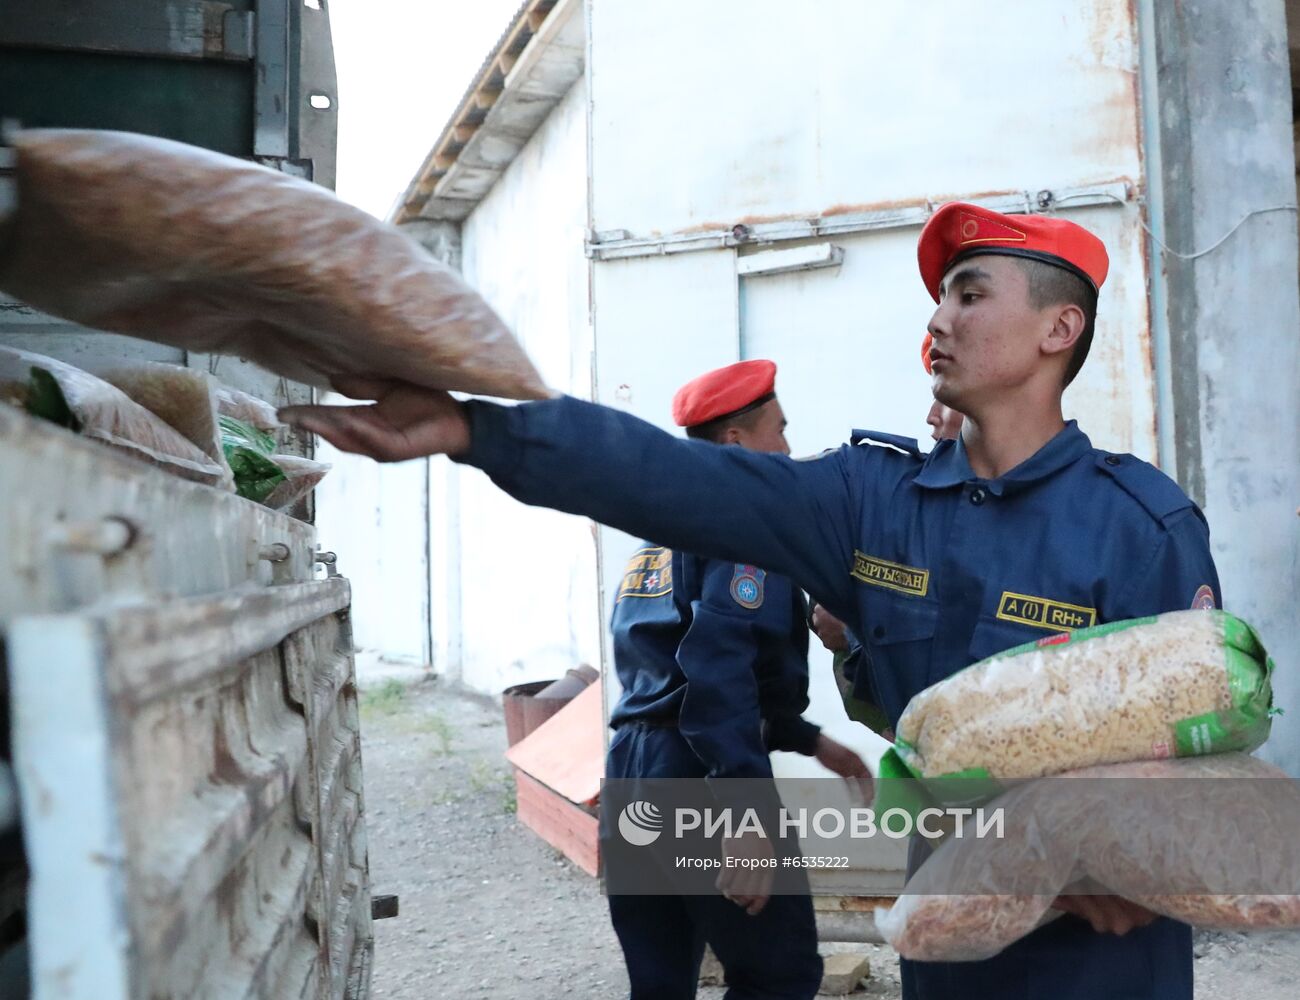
<point x="1117" y="122"/>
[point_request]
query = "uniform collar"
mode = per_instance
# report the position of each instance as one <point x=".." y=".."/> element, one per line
<point x="947" y="465"/>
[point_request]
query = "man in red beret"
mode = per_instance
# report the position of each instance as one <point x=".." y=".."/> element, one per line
<point x="713" y="661"/>
<point x="1018" y="530"/>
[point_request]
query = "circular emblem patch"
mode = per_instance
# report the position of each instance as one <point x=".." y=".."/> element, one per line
<point x="1204" y="599"/>
<point x="747" y="586"/>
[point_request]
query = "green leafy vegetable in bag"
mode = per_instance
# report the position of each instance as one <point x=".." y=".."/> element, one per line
<point x="248" y="452"/>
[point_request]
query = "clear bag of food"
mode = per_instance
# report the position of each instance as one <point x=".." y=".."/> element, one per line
<point x="1186" y="683"/>
<point x="1210" y="841"/>
<point x="85" y="403"/>
<point x="181" y="245"/>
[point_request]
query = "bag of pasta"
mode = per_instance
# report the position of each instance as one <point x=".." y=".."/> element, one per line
<point x="1181" y="684"/>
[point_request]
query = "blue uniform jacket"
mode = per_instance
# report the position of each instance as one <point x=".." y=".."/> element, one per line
<point x="931" y="566"/>
<point x="718" y="649"/>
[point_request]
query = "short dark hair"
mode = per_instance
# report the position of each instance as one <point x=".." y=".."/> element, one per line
<point x="1055" y="286"/>
<point x="714" y="429"/>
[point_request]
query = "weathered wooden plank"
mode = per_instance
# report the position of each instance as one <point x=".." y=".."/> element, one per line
<point x="191" y="539"/>
<point x="220" y="632"/>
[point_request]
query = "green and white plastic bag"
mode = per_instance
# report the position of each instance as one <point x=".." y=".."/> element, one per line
<point x="1181" y="684"/>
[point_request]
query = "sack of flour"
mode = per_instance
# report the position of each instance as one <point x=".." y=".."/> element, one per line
<point x="181" y="245"/>
<point x="1210" y="841"/>
<point x="82" y="402"/>
<point x="1181" y="684"/>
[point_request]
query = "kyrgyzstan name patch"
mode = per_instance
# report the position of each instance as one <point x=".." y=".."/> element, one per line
<point x="649" y="573"/>
<point x="1043" y="613"/>
<point x="891" y="575"/>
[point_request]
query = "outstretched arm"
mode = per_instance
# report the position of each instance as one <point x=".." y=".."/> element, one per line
<point x="795" y="518"/>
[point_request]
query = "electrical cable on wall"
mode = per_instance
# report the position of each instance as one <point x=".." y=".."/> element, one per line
<point x="1198" y="253"/>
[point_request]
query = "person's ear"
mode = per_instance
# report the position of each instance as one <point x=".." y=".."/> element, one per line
<point x="731" y="435"/>
<point x="1065" y="331"/>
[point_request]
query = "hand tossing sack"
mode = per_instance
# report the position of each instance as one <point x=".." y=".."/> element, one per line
<point x="181" y="245"/>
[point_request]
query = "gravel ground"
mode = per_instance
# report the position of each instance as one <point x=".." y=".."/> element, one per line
<point x="488" y="910"/>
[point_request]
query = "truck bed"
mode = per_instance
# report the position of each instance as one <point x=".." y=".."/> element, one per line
<point x="184" y="734"/>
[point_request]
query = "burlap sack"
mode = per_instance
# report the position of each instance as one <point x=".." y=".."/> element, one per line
<point x="184" y="246"/>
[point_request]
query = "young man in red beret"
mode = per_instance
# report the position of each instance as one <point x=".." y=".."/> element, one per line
<point x="1018" y="530"/>
<point x="713" y="660"/>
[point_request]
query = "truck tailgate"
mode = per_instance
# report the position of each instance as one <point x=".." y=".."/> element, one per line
<point x="184" y="733"/>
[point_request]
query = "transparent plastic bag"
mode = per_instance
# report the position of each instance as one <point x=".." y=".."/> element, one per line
<point x="247" y="409"/>
<point x="181" y="245"/>
<point x="182" y="397"/>
<point x="300" y="477"/>
<point x="249" y="450"/>
<point x="99" y="410"/>
<point x="1180" y="684"/>
<point x="1210" y="841"/>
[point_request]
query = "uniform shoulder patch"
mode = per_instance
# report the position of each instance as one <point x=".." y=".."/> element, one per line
<point x="649" y="573"/>
<point x="747" y="586"/>
<point x="904" y="444"/>
<point x="1203" y="599"/>
<point x="1159" y="495"/>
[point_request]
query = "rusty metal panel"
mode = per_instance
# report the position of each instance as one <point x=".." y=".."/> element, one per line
<point x="185" y="735"/>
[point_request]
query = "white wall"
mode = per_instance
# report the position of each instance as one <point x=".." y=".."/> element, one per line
<point x="843" y="108"/>
<point x="712" y="113"/>
<point x="373" y="517"/>
<point x="514" y="590"/>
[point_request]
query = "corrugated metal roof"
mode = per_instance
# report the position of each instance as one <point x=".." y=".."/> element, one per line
<point x="491" y="108"/>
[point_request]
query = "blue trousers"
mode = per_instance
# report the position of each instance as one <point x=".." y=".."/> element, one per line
<point x="771" y="956"/>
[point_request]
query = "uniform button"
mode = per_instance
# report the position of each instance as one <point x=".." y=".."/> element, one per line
<point x="1112" y="460"/>
<point x="978" y="496"/>
<point x="878" y="632"/>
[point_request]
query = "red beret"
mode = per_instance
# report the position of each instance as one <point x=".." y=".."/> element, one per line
<point x="724" y="391"/>
<point x="958" y="230"/>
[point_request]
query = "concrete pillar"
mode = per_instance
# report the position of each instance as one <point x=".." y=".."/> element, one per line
<point x="1222" y="151"/>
